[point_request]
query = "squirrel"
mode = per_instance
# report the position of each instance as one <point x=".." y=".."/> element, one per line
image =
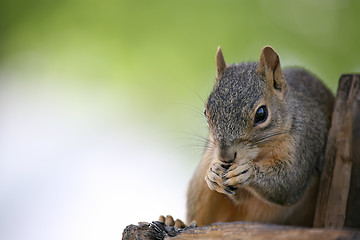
<point x="267" y="134"/>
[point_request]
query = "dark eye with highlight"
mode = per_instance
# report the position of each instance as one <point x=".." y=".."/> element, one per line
<point x="205" y="113"/>
<point x="261" y="115"/>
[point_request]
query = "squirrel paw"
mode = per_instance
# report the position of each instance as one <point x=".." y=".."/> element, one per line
<point x="227" y="179"/>
<point x="238" y="175"/>
<point x="214" y="178"/>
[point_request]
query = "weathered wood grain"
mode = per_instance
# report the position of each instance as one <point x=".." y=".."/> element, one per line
<point x="240" y="230"/>
<point x="352" y="218"/>
<point x="336" y="175"/>
<point x="257" y="231"/>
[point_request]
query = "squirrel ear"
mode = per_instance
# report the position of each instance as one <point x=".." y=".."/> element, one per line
<point x="269" y="67"/>
<point x="220" y="64"/>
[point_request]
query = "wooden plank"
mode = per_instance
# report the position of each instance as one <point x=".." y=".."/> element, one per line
<point x="353" y="205"/>
<point x="257" y="231"/>
<point x="336" y="175"/>
<point x="143" y="231"/>
<point x="241" y="230"/>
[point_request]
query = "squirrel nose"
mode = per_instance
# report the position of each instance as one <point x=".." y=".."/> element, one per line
<point x="227" y="154"/>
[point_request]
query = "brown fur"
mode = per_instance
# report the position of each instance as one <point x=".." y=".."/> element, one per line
<point x="271" y="152"/>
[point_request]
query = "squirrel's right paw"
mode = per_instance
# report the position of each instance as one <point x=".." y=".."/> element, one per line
<point x="215" y="178"/>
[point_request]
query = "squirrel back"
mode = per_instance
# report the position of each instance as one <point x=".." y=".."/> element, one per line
<point x="268" y="130"/>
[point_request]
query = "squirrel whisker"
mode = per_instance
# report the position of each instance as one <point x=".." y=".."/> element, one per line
<point x="267" y="138"/>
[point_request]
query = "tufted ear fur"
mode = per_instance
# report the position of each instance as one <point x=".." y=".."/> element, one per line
<point x="220" y="64"/>
<point x="269" y="67"/>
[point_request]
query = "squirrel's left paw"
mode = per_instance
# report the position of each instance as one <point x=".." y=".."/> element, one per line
<point x="238" y="175"/>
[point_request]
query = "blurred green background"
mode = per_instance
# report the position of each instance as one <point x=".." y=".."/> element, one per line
<point x="157" y="50"/>
<point x="132" y="76"/>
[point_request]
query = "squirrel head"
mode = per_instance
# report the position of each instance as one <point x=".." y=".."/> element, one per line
<point x="246" y="105"/>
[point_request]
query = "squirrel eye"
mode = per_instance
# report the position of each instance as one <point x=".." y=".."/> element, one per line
<point x="261" y="115"/>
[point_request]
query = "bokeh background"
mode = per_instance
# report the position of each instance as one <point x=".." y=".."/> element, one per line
<point x="101" y="102"/>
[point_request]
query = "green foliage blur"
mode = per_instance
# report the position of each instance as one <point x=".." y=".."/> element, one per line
<point x="161" y="53"/>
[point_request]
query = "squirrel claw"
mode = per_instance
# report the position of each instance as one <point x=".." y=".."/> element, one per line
<point x="228" y="191"/>
<point x="231" y="189"/>
<point x="216" y="186"/>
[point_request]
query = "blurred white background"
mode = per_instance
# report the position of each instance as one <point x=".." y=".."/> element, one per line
<point x="81" y="163"/>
